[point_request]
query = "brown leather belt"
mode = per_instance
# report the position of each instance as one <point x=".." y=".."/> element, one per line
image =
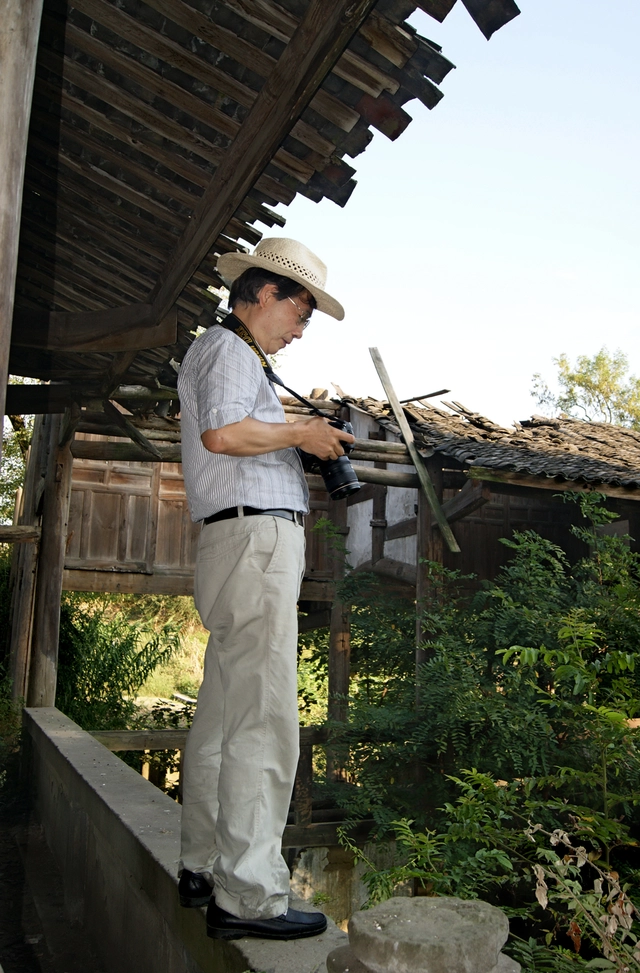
<point x="230" y="512"/>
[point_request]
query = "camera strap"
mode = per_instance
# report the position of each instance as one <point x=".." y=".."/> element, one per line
<point x="232" y="323"/>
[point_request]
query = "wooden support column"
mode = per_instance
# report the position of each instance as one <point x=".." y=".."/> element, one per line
<point x="429" y="547"/>
<point x="24" y="562"/>
<point x="379" y="518"/>
<point x="339" y="629"/>
<point x="19" y="29"/>
<point x="55" y="516"/>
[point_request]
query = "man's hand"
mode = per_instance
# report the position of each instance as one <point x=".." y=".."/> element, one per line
<point x="321" y="439"/>
<point x="250" y="437"/>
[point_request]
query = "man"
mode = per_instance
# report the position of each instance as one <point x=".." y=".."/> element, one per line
<point x="245" y="482"/>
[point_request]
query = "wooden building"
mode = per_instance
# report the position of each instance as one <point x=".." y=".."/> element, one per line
<point x="143" y="139"/>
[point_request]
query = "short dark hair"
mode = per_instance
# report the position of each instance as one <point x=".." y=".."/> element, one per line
<point x="247" y="286"/>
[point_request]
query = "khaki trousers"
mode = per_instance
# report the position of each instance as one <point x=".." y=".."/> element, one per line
<point x="242" y="749"/>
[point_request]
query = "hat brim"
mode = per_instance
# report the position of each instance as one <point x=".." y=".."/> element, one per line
<point x="231" y="265"/>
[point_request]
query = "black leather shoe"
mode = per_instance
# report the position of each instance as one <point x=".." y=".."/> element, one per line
<point x="291" y="925"/>
<point x="193" y="889"/>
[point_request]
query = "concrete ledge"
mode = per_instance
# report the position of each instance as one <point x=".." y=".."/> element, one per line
<point x="115" y="838"/>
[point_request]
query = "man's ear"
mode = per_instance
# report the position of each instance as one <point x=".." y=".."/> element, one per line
<point x="266" y="292"/>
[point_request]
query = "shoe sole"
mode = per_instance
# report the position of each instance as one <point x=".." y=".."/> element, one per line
<point x="188" y="902"/>
<point x="214" y="933"/>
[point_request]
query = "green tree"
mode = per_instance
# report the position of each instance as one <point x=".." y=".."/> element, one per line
<point x="598" y="389"/>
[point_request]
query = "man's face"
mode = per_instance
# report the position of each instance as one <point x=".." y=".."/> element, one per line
<point x="279" y="322"/>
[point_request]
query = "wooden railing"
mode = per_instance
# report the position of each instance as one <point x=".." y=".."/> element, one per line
<point x="305" y="829"/>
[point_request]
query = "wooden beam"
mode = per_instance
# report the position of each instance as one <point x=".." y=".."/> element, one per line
<point x="323" y="34"/>
<point x="404" y="528"/>
<point x="175" y="739"/>
<point x="127" y="328"/>
<point x="389" y="567"/>
<point x="19" y="29"/>
<point x="421" y="469"/>
<point x="472" y="496"/>
<point x="550" y="483"/>
<point x="321" y="618"/>
<point x="26" y="400"/>
<point x="18" y="533"/>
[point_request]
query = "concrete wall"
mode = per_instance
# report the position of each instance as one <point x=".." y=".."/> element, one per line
<point x="115" y="838"/>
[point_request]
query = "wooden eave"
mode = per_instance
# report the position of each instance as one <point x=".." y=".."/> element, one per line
<point x="162" y="132"/>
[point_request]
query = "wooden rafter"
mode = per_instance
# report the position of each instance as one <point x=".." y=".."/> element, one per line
<point x="318" y="42"/>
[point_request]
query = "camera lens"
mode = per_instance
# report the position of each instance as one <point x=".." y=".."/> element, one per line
<point x="339" y="478"/>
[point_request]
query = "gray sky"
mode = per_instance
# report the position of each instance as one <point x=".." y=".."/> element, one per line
<point x="501" y="229"/>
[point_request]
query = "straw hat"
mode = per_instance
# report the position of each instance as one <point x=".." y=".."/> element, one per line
<point x="289" y="259"/>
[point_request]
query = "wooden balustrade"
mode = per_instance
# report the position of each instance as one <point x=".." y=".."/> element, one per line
<point x="305" y="830"/>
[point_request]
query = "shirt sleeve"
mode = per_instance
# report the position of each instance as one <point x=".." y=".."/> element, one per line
<point x="229" y="377"/>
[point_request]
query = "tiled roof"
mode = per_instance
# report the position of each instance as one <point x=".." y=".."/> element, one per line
<point x="564" y="448"/>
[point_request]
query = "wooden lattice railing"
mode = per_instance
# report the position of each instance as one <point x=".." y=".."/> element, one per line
<point x="305" y="829"/>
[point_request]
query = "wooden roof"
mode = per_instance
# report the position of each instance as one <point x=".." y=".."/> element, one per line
<point x="561" y="451"/>
<point x="162" y="132"/>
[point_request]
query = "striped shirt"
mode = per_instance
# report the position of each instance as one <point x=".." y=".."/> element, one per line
<point x="222" y="381"/>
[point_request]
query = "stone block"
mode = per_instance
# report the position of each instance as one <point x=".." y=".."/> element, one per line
<point x="430" y="935"/>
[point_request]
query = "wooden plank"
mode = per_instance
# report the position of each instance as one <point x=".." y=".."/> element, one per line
<point x="19" y="28"/>
<point x="158" y="583"/>
<point x="25" y="400"/>
<point x="172" y="454"/>
<point x="404" y="528"/>
<point x="490" y="17"/>
<point x="312" y="590"/>
<point x="160" y="86"/>
<point x="472" y="496"/>
<point x="366" y="492"/>
<point x="223" y="40"/>
<point x="418" y="462"/>
<point x="112" y="329"/>
<point x="550" y="483"/>
<point x="350" y="66"/>
<point x="438" y="9"/>
<point x="175" y="739"/>
<point x="321" y="618"/>
<point x="323" y="34"/>
<point x="318" y="835"/>
<point x="18" y="533"/>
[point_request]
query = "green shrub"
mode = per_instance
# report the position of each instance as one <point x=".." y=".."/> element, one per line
<point x="104" y="659"/>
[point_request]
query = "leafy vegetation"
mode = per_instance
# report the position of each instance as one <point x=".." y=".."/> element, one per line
<point x="598" y="389"/>
<point x="104" y="659"/>
<point x="518" y="777"/>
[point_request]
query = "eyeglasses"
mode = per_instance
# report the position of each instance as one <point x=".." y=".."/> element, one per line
<point x="303" y="316"/>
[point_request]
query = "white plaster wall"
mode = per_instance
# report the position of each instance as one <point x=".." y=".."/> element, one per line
<point x="401" y="504"/>
<point x="359" y="514"/>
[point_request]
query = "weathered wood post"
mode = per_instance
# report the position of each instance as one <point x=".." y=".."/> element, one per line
<point x="55" y="516"/>
<point x="429" y="547"/>
<point x="340" y="628"/>
<point x="19" y="29"/>
<point x="24" y="563"/>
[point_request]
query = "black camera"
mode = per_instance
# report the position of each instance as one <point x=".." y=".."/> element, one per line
<point x="338" y="474"/>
